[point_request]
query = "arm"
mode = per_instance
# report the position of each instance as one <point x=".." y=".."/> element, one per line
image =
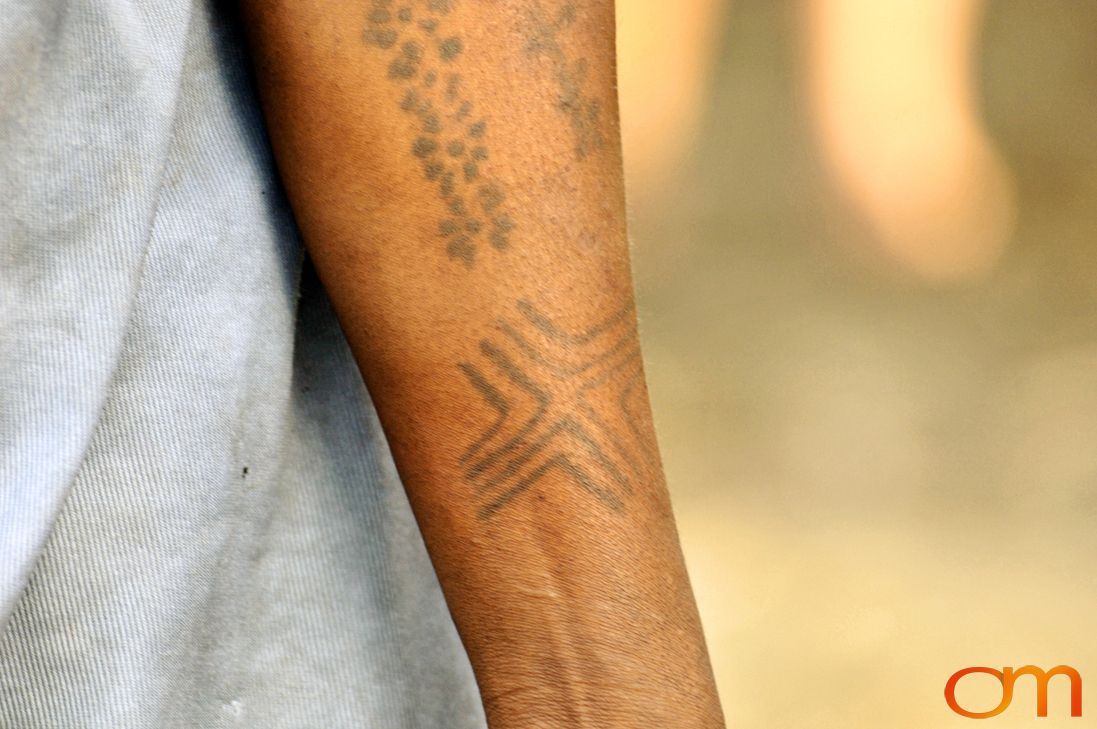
<point x="455" y="170"/>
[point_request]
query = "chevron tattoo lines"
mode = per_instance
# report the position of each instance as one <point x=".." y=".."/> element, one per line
<point x="563" y="403"/>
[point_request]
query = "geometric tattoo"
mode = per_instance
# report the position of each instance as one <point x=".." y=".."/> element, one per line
<point x="564" y="404"/>
<point x="583" y="112"/>
<point x="450" y="139"/>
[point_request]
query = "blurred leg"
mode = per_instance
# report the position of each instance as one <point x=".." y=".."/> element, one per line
<point x="895" y="109"/>
<point x="665" y="55"/>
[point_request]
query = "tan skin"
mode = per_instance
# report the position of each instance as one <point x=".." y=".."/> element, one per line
<point x="455" y="169"/>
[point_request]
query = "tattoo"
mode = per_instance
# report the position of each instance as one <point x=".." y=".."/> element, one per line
<point x="450" y="142"/>
<point x="584" y="112"/>
<point x="550" y="390"/>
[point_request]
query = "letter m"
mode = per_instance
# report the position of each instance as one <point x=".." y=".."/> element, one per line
<point x="1043" y="678"/>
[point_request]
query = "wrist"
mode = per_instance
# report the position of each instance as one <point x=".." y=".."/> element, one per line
<point x="552" y="706"/>
<point x="614" y="691"/>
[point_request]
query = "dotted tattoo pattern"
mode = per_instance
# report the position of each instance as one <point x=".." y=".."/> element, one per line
<point x="584" y="112"/>
<point x="450" y="141"/>
<point x="557" y="396"/>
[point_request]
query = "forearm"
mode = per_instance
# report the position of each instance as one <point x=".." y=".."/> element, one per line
<point x="454" y="167"/>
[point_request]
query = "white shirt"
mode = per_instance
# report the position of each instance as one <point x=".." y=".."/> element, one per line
<point x="200" y="522"/>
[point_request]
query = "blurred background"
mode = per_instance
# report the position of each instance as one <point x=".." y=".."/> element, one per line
<point x="864" y="241"/>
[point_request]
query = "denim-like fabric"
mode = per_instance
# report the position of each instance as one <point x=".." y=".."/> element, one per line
<point x="200" y="523"/>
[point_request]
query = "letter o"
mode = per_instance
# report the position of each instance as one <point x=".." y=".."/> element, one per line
<point x="1007" y="692"/>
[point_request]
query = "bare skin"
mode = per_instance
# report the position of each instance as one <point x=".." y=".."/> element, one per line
<point x="455" y="169"/>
